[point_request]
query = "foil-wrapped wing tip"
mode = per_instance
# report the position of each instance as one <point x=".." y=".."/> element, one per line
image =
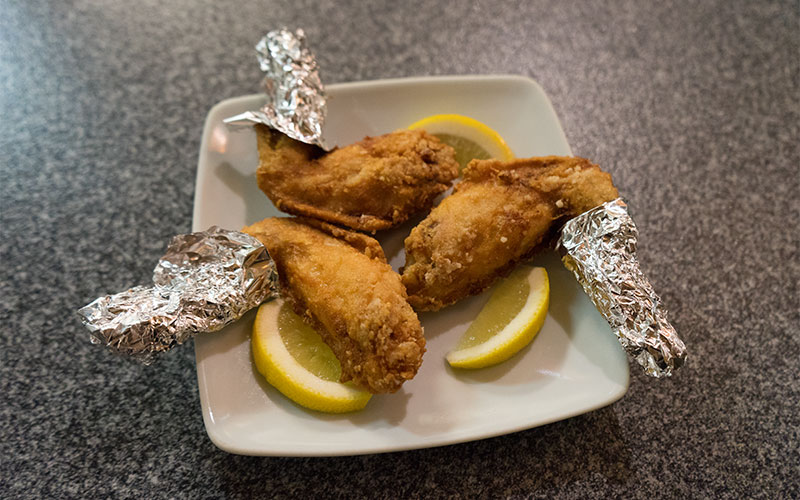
<point x="295" y="99"/>
<point x="599" y="247"/>
<point x="204" y="281"/>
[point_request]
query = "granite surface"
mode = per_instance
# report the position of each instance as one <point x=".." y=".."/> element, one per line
<point x="694" y="107"/>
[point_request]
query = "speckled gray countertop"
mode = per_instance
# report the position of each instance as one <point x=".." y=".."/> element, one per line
<point x="693" y="107"/>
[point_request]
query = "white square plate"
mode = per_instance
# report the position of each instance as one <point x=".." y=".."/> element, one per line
<point x="574" y="365"/>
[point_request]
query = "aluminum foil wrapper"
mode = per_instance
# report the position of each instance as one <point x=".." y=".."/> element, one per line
<point x="205" y="281"/>
<point x="296" y="100"/>
<point x="599" y="247"/>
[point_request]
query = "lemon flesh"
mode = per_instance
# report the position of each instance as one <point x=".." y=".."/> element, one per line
<point x="294" y="359"/>
<point x="466" y="150"/>
<point x="306" y="346"/>
<point x="470" y="138"/>
<point x="507" y="323"/>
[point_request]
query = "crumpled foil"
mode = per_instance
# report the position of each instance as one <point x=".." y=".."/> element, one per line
<point x="599" y="247"/>
<point x="296" y="99"/>
<point x="205" y="281"/>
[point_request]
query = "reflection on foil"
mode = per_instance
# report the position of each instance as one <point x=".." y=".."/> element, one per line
<point x="599" y="247"/>
<point x="295" y="97"/>
<point x="203" y="282"/>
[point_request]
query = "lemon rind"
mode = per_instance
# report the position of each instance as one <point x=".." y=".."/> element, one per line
<point x="292" y="379"/>
<point x="470" y="129"/>
<point x="485" y="354"/>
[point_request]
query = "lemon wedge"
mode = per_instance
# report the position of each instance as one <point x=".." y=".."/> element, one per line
<point x="508" y="322"/>
<point x="470" y="138"/>
<point x="294" y="359"/>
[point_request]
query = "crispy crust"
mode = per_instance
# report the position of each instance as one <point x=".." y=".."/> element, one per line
<point x="374" y="184"/>
<point x="341" y="285"/>
<point x="361" y="242"/>
<point x="500" y="214"/>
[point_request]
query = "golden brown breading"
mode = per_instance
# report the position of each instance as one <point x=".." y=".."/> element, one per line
<point x="498" y="215"/>
<point x="340" y="283"/>
<point x="376" y="183"/>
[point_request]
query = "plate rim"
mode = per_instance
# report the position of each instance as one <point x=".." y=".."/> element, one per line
<point x="222" y="442"/>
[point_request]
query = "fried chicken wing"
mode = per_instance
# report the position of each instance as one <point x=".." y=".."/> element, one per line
<point x="500" y="214"/>
<point x="374" y="184"/>
<point x="340" y="283"/>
